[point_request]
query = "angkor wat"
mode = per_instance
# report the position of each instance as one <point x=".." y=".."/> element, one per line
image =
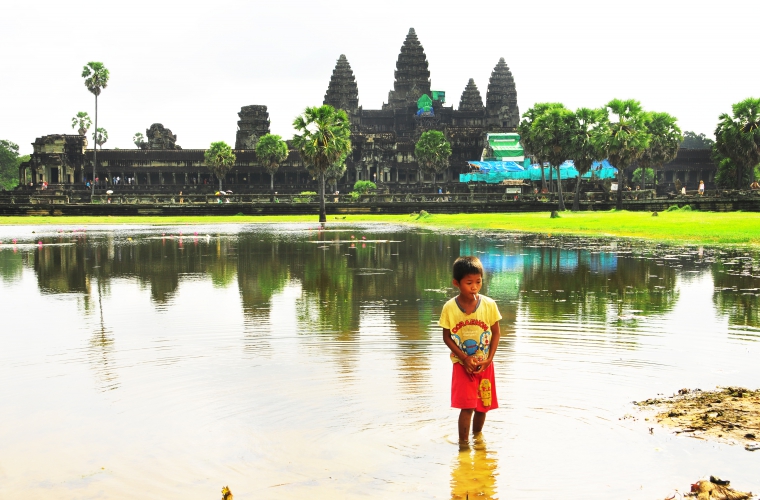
<point x="383" y="140"/>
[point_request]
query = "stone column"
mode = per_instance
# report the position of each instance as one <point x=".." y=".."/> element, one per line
<point x="174" y="178"/>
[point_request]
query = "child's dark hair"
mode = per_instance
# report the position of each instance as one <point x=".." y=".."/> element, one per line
<point x="467" y="265"/>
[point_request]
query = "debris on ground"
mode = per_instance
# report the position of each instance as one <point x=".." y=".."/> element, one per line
<point x="728" y="414"/>
<point x="226" y="493"/>
<point x="716" y="489"/>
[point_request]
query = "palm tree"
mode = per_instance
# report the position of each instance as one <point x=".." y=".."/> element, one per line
<point x="626" y="139"/>
<point x="95" y="77"/>
<point x="526" y="138"/>
<point x="432" y="152"/>
<point x="323" y="138"/>
<point x="271" y="150"/>
<point x="83" y="120"/>
<point x="664" y="145"/>
<point x="219" y="159"/>
<point x="100" y="137"/>
<point x="139" y="140"/>
<point x="336" y="171"/>
<point x="737" y="138"/>
<point x="584" y="150"/>
<point x="552" y="135"/>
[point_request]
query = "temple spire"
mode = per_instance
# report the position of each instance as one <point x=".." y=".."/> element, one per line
<point x="501" y="99"/>
<point x="471" y="100"/>
<point x="412" y="74"/>
<point x="342" y="92"/>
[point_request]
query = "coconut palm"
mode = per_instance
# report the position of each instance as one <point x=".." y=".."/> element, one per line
<point x="663" y="147"/>
<point x="432" y="152"/>
<point x="100" y="137"/>
<point x="219" y="159"/>
<point x="271" y="150"/>
<point x="82" y="119"/>
<point x="737" y="138"/>
<point x="323" y="137"/>
<point x="525" y="127"/>
<point x="95" y="77"/>
<point x="625" y="139"/>
<point x="584" y="149"/>
<point x="552" y="139"/>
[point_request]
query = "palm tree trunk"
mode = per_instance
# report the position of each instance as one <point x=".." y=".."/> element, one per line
<point x="543" y="176"/>
<point x="271" y="182"/>
<point x="322" y="214"/>
<point x="95" y="152"/>
<point x="576" y="198"/>
<point x="561" y="205"/>
<point x="619" y="204"/>
<point x="220" y="183"/>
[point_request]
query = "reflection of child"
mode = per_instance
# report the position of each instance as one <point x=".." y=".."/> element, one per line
<point x="470" y="324"/>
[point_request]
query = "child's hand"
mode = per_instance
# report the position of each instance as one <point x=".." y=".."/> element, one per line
<point x="470" y="364"/>
<point x="482" y="365"/>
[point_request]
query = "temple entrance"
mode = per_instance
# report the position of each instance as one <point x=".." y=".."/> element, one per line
<point x="53" y="176"/>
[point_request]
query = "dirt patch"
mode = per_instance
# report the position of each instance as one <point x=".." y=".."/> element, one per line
<point x="728" y="414"/>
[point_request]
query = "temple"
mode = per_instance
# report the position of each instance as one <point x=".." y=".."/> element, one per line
<point x="383" y="139"/>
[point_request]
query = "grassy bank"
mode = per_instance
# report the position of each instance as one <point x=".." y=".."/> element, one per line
<point x="675" y="227"/>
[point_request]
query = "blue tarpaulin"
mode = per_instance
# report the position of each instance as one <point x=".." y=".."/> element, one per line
<point x="493" y="172"/>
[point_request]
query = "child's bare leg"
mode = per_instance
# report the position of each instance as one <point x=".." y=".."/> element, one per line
<point x="465" y="416"/>
<point x="477" y="422"/>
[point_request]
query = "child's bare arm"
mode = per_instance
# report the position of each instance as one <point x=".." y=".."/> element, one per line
<point x="468" y="362"/>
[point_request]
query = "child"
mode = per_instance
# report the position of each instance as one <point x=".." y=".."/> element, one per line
<point x="470" y="324"/>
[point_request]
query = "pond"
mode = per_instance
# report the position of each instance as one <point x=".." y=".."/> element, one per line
<point x="289" y="361"/>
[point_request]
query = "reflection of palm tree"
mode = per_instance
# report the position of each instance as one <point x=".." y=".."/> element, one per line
<point x="101" y="350"/>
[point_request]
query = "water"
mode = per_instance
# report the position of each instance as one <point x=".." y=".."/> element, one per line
<point x="288" y="362"/>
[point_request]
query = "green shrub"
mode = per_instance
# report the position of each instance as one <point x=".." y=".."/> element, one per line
<point x="305" y="197"/>
<point x="355" y="195"/>
<point x="672" y="208"/>
<point x="364" y="187"/>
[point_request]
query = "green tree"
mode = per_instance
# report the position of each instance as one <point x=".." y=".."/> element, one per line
<point x="432" y="152"/>
<point x="584" y="147"/>
<point x="526" y="138"/>
<point x="139" y="140"/>
<point x="364" y="187"/>
<point x="643" y="175"/>
<point x="95" y="77"/>
<point x="323" y="137"/>
<point x="626" y="139"/>
<point x="10" y="162"/>
<point x="692" y="140"/>
<point x="663" y="146"/>
<point x="219" y="159"/>
<point x="737" y="138"/>
<point x="552" y="135"/>
<point x="100" y="137"/>
<point x="82" y="119"/>
<point x="271" y="150"/>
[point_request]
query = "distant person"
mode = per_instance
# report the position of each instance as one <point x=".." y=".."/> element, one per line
<point x="683" y="190"/>
<point x="181" y="199"/>
<point x="701" y="188"/>
<point x="754" y="185"/>
<point x="470" y="323"/>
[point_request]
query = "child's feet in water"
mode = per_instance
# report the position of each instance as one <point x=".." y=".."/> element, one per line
<point x="464" y="446"/>
<point x="478" y="441"/>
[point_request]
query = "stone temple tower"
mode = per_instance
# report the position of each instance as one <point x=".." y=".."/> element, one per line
<point x="254" y="122"/>
<point x="412" y="74"/>
<point x="501" y="100"/>
<point x="342" y="92"/>
<point x="471" y="100"/>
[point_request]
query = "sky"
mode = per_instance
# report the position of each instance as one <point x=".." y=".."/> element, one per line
<point x="192" y="65"/>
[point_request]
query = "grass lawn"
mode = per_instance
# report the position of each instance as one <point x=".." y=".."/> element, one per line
<point x="675" y="227"/>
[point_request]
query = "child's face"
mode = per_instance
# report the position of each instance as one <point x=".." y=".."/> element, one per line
<point x="469" y="286"/>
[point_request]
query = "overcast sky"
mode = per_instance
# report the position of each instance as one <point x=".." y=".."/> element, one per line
<point x="192" y="65"/>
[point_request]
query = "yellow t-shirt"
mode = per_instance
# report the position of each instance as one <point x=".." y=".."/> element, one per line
<point x="471" y="332"/>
